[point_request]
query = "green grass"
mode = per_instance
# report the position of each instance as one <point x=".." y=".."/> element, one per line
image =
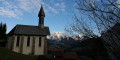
<point x="6" y="54"/>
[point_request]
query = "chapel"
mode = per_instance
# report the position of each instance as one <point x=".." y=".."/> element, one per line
<point x="28" y="39"/>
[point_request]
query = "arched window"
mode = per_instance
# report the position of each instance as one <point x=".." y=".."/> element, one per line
<point x="18" y="41"/>
<point x="28" y="41"/>
<point x="40" y="41"/>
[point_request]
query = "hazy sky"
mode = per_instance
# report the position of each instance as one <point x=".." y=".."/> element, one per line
<point x="25" y="12"/>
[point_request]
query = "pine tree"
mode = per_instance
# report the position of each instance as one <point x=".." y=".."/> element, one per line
<point x="3" y="34"/>
<point x="1" y="29"/>
<point x="4" y="31"/>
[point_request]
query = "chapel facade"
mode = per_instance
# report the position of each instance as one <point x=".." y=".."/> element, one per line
<point x="28" y="39"/>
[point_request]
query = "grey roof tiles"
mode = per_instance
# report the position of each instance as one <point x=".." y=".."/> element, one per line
<point x="29" y="30"/>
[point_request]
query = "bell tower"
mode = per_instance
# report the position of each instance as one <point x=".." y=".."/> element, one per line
<point x="41" y="16"/>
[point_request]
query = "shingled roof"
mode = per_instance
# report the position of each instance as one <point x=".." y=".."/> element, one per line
<point x="29" y="30"/>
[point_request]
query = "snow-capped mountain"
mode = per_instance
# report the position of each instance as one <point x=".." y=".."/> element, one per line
<point x="58" y="36"/>
<point x="77" y="37"/>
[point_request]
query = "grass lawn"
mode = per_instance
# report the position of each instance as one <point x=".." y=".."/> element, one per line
<point x="6" y="54"/>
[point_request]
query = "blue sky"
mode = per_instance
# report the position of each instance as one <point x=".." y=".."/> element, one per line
<point x="25" y="12"/>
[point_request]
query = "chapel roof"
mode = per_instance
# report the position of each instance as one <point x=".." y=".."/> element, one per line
<point x="29" y="30"/>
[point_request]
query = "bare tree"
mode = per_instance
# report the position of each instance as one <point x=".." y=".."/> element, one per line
<point x="103" y="15"/>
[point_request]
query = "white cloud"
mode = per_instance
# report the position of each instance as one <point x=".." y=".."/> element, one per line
<point x="1" y="0"/>
<point x="34" y="5"/>
<point x="9" y="10"/>
<point x="57" y="4"/>
<point x="52" y="9"/>
<point x="62" y="9"/>
<point x="17" y="8"/>
<point x="118" y="3"/>
<point x="10" y="13"/>
<point x="51" y="0"/>
<point x="63" y="5"/>
<point x="25" y="5"/>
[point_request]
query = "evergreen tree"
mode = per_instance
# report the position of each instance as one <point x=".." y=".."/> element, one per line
<point x="2" y="34"/>
<point x="4" y="31"/>
<point x="1" y="29"/>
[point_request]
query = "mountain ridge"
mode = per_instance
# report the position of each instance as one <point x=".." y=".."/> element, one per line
<point x="58" y="36"/>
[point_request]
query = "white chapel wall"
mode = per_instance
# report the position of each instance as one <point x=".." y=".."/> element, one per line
<point x="9" y="42"/>
<point x="38" y="50"/>
<point x="15" y="48"/>
<point x="27" y="49"/>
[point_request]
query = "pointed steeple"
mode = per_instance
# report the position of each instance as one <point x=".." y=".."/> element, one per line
<point x="41" y="16"/>
<point x="41" y="12"/>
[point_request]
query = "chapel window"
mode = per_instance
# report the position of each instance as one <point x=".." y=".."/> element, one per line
<point x="18" y="41"/>
<point x="40" y="41"/>
<point x="28" y="41"/>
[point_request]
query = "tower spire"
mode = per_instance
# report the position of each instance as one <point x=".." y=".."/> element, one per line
<point x="41" y="16"/>
<point x="41" y="12"/>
